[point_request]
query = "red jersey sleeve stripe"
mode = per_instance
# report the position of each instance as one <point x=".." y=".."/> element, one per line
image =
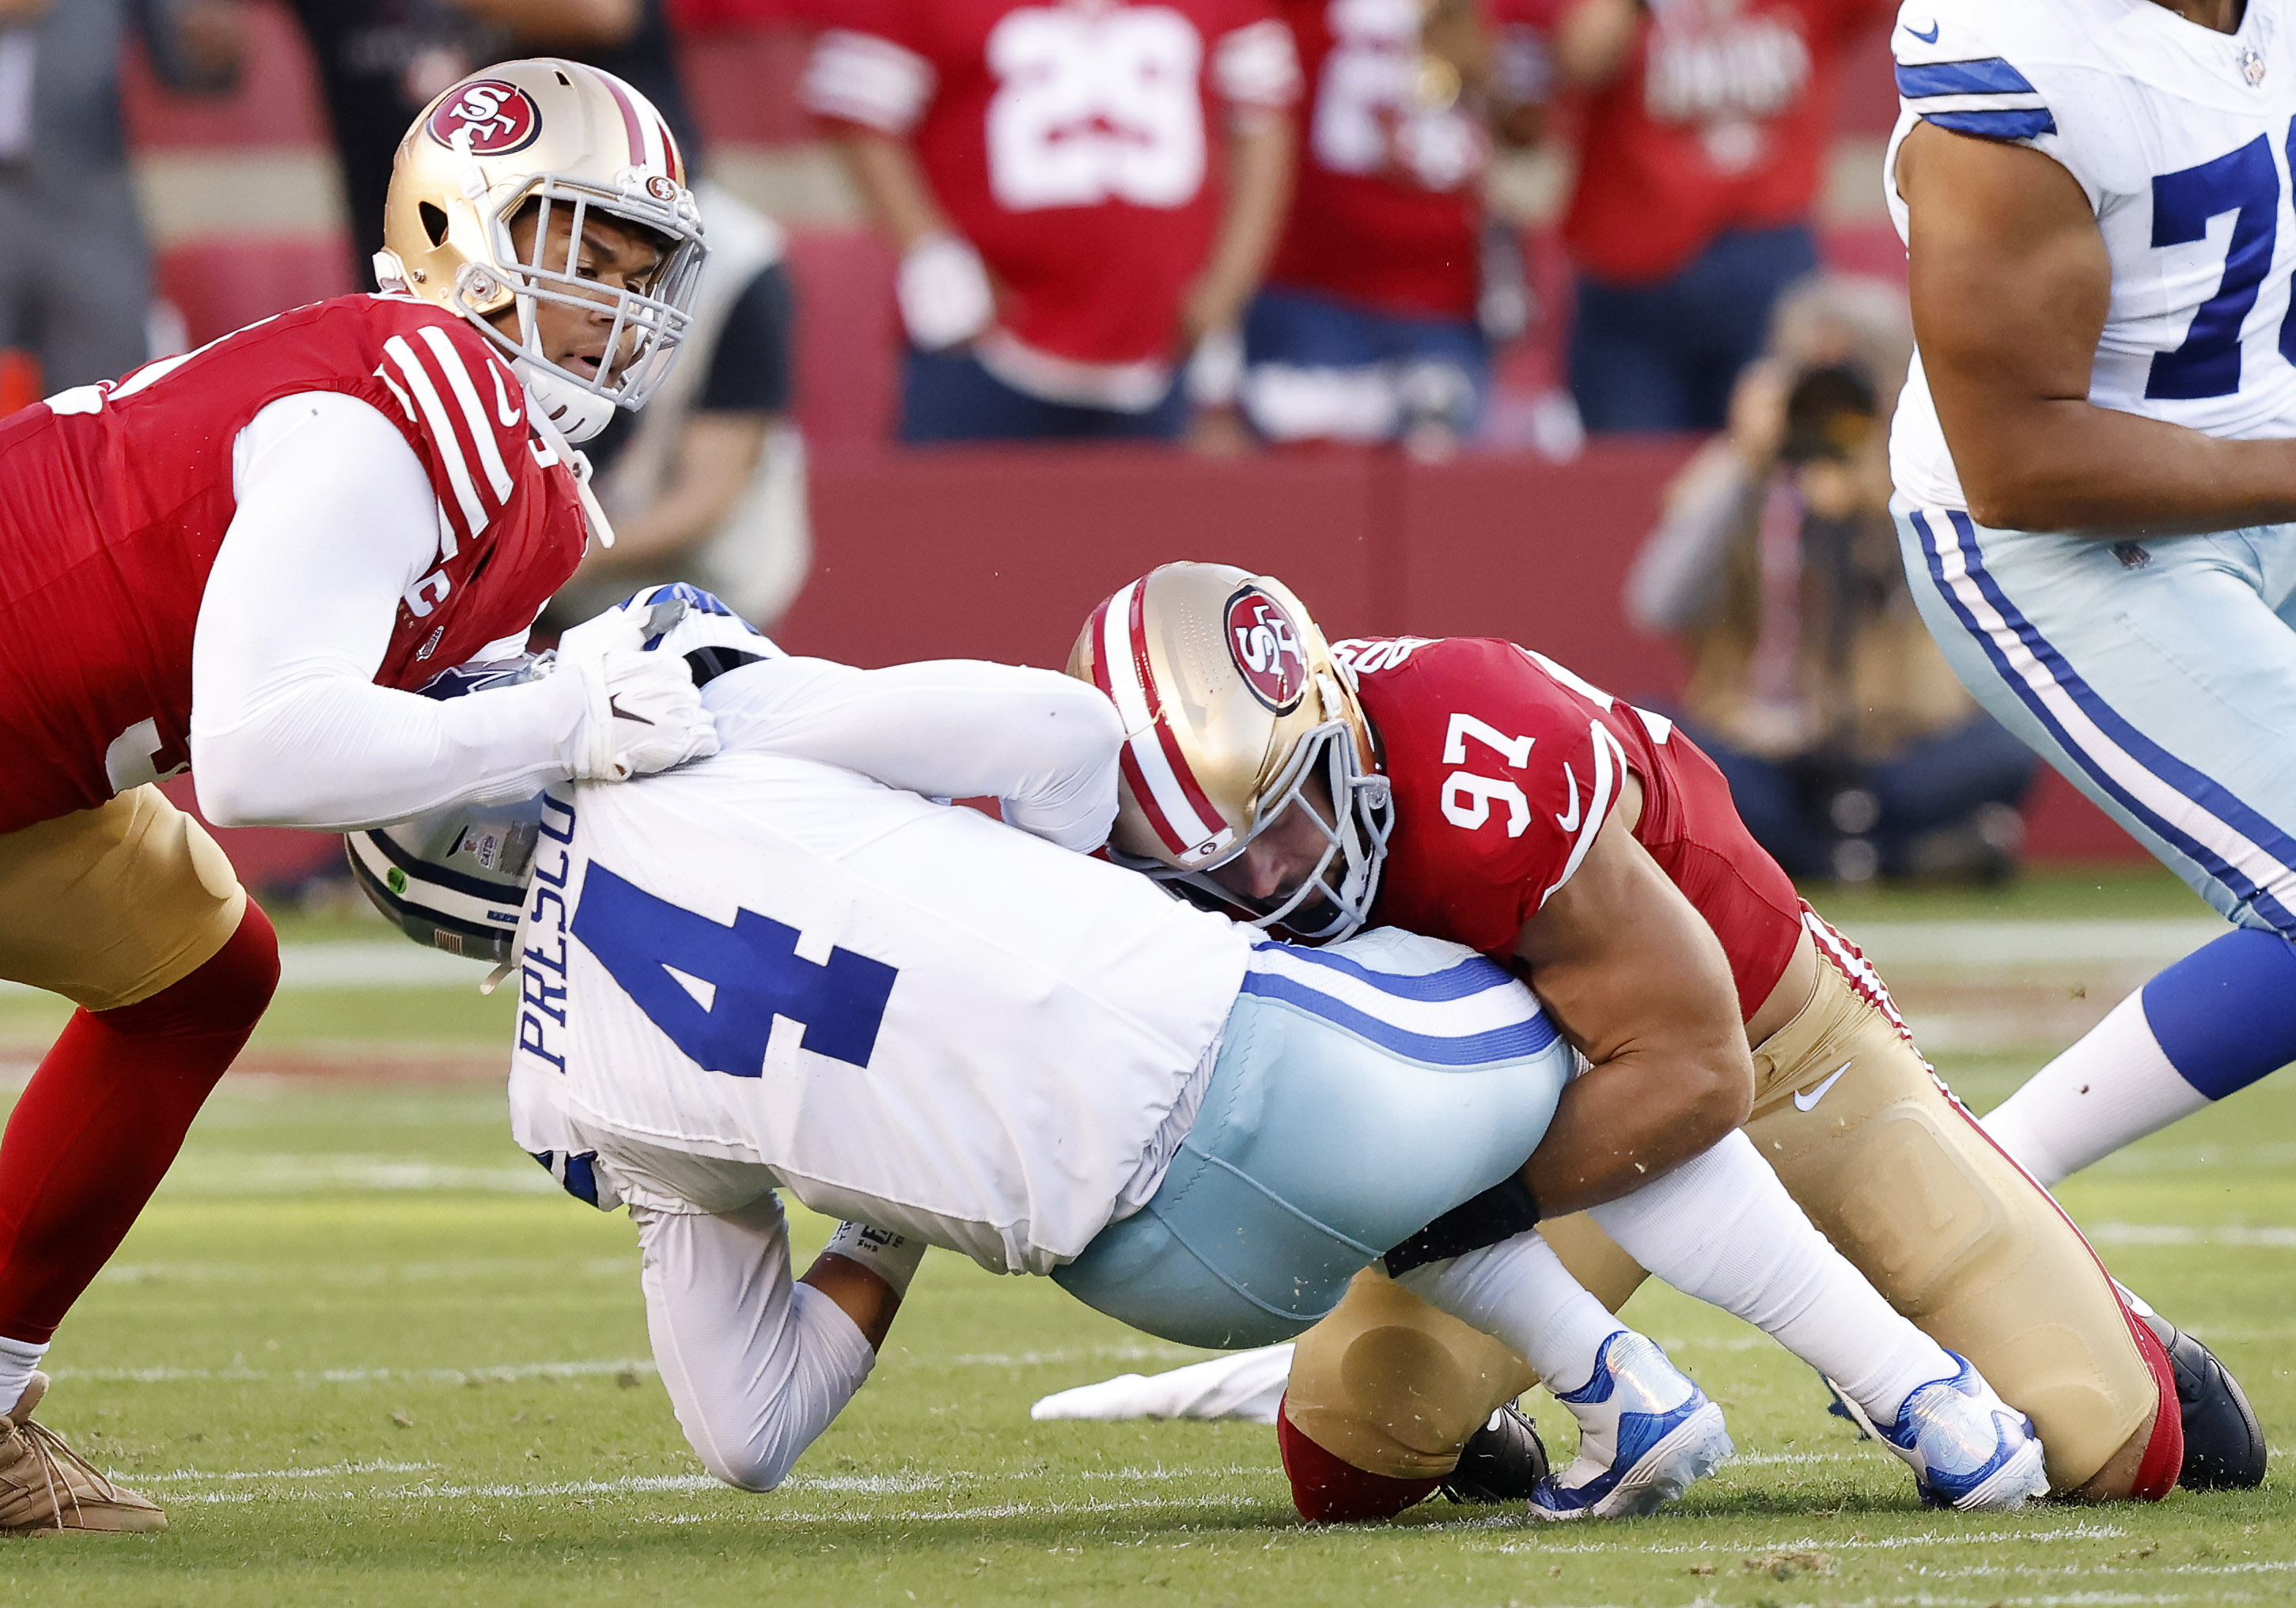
<point x="439" y="426"/>
<point x="1610" y="765"/>
<point x="474" y="411"/>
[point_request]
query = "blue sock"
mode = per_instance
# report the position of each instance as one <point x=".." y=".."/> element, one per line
<point x="2226" y="1013"/>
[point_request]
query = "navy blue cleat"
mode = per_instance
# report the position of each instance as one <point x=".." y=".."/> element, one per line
<point x="1646" y="1433"/>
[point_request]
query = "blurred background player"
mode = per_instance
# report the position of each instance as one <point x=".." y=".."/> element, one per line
<point x="710" y="482"/>
<point x="1083" y="199"/>
<point x="1535" y="816"/>
<point x="1849" y="748"/>
<point x="75" y="271"/>
<point x="1703" y="135"/>
<point x="1373" y="324"/>
<point x="243" y="558"/>
<point x="2096" y="495"/>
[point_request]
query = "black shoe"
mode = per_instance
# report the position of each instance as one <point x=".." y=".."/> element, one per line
<point x="2224" y="1445"/>
<point x="1504" y="1459"/>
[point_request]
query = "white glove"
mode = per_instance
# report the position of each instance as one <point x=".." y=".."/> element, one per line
<point x="611" y="630"/>
<point x="943" y="292"/>
<point x="644" y="714"/>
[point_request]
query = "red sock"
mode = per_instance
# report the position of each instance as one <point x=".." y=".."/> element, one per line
<point x="1328" y="1489"/>
<point x="102" y="1118"/>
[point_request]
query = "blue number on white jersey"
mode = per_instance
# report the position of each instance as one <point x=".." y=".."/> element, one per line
<point x="753" y="966"/>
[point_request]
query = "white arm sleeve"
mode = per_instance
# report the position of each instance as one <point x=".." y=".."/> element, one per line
<point x="1044" y="745"/>
<point x="336" y="520"/>
<point x="755" y="1364"/>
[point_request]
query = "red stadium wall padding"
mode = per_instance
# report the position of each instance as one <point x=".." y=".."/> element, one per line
<point x="1001" y="553"/>
<point x="220" y="286"/>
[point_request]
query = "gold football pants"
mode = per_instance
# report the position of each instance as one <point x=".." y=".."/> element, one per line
<point x="1892" y="1170"/>
<point x="109" y="906"/>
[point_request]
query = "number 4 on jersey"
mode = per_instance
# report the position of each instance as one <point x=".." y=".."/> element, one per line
<point x="752" y="967"/>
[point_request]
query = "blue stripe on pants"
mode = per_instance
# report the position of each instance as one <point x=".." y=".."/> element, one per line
<point x="2099" y="748"/>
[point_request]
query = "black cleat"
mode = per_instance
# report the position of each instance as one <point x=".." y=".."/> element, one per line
<point x="1503" y="1460"/>
<point x="2224" y="1445"/>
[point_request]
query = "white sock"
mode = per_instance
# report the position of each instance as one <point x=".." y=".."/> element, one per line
<point x="18" y="1358"/>
<point x="2114" y="1086"/>
<point x="1721" y="1228"/>
<point x="1519" y="1292"/>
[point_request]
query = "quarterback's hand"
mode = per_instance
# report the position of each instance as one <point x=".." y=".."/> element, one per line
<point x="642" y="714"/>
<point x="944" y="293"/>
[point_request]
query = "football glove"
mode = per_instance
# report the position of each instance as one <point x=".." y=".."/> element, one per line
<point x="642" y="714"/>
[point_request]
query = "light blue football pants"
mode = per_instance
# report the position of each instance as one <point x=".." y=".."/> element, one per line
<point x="2158" y="676"/>
<point x="1360" y="1091"/>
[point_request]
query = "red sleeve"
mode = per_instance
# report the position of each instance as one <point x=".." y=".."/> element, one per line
<point x="465" y="413"/>
<point x="1502" y="774"/>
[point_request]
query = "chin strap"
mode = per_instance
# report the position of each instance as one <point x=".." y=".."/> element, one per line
<point x="574" y="457"/>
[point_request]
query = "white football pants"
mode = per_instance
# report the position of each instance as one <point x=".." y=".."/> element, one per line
<point x="756" y="1365"/>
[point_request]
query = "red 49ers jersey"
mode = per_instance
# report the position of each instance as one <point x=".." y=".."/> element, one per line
<point x="1505" y="766"/>
<point x="1364" y="226"/>
<point x="114" y="500"/>
<point x="1073" y="145"/>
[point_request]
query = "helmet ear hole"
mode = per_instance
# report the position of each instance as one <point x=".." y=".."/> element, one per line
<point x="434" y="223"/>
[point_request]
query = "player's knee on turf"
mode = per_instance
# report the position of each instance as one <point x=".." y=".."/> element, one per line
<point x="1391" y="1386"/>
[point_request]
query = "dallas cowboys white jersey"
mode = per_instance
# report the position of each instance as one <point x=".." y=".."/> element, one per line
<point x="2181" y="138"/>
<point x="910" y="1013"/>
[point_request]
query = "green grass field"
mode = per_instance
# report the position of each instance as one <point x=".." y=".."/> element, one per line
<point x="366" y="1355"/>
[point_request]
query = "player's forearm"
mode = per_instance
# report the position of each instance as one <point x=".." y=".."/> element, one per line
<point x="1044" y="743"/>
<point x="716" y="462"/>
<point x="1633" y="1119"/>
<point x="885" y="170"/>
<point x="339" y="752"/>
<point x="1259" y="196"/>
<point x="2069" y="466"/>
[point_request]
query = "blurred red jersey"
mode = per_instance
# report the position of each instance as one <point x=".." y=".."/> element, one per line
<point x="1073" y="145"/>
<point x="1505" y="766"/>
<point x="114" y="500"/>
<point x="1387" y="209"/>
<point x="1719" y="120"/>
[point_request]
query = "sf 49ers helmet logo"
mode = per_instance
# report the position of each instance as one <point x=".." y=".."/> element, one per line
<point x="1265" y="645"/>
<point x="500" y="119"/>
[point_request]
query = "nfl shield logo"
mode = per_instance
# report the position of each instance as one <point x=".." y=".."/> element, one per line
<point x="2251" y="64"/>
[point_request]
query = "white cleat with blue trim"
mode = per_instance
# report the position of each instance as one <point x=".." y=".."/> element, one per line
<point x="1646" y="1433"/>
<point x="1969" y="1449"/>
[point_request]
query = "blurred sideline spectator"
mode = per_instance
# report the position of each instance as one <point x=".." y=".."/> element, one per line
<point x="74" y="267"/>
<point x="707" y="484"/>
<point x="1387" y="292"/>
<point x="1849" y="745"/>
<point x="1703" y="147"/>
<point x="1047" y="176"/>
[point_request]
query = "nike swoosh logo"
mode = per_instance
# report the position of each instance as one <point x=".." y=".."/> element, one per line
<point x="1927" y="38"/>
<point x="507" y="414"/>
<point x="1806" y="1100"/>
<point x="619" y="713"/>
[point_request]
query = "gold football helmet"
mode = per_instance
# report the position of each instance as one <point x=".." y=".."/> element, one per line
<point x="1233" y="707"/>
<point x="552" y="133"/>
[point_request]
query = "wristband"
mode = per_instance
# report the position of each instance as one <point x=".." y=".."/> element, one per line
<point x="891" y="1257"/>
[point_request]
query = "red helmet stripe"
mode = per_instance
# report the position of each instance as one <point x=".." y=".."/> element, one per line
<point x="1146" y="770"/>
<point x="1206" y="815"/>
<point x="630" y="125"/>
<point x="675" y="158"/>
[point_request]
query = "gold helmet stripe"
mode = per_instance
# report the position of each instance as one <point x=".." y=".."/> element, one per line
<point x="1157" y="773"/>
